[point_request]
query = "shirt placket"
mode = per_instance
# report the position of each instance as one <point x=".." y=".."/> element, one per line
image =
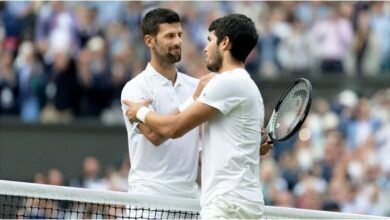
<point x="176" y="96"/>
<point x="171" y="96"/>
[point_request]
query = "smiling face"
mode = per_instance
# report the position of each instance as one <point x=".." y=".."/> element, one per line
<point x="166" y="45"/>
<point x="213" y="54"/>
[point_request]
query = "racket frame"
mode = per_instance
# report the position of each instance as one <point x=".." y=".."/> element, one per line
<point x="302" y="117"/>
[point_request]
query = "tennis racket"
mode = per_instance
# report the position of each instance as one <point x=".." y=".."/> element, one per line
<point x="290" y="112"/>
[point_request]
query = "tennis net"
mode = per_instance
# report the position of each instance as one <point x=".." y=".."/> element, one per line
<point x="29" y="200"/>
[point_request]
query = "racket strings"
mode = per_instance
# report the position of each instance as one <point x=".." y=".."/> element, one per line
<point x="291" y="110"/>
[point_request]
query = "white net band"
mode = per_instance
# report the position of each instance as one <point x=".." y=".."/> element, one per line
<point x="29" y="200"/>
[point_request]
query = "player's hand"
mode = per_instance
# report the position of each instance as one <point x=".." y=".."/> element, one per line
<point x="202" y="83"/>
<point x="266" y="145"/>
<point x="133" y="107"/>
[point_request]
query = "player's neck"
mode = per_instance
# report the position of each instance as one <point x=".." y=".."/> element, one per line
<point x="166" y="70"/>
<point x="229" y="64"/>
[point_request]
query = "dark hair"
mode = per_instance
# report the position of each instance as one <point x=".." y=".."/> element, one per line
<point x="241" y="32"/>
<point x="155" y="17"/>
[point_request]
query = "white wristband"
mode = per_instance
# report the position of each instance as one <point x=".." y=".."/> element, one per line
<point x="186" y="104"/>
<point x="142" y="112"/>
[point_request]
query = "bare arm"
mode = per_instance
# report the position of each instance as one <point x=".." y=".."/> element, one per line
<point x="173" y="126"/>
<point x="265" y="145"/>
<point x="155" y="138"/>
<point x="265" y="148"/>
<point x="152" y="136"/>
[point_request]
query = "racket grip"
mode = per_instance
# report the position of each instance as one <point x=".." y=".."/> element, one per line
<point x="265" y="136"/>
<point x="268" y="142"/>
<point x="264" y="140"/>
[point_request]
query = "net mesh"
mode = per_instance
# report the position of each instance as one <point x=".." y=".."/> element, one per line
<point x="31" y="201"/>
<point x="291" y="110"/>
<point x="12" y="207"/>
<point x="27" y="200"/>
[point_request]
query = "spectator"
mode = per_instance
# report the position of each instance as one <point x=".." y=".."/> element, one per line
<point x="380" y="23"/>
<point x="366" y="47"/>
<point x="132" y="13"/>
<point x="99" y="89"/>
<point x="271" y="180"/>
<point x="362" y="126"/>
<point x="55" y="177"/>
<point x="39" y="178"/>
<point x="106" y="14"/>
<point x="30" y="75"/>
<point x="87" y="25"/>
<point x="294" y="50"/>
<point x="55" y="31"/>
<point x="267" y="47"/>
<point x="334" y="34"/>
<point x="334" y="149"/>
<point x="118" y="176"/>
<point x="62" y="89"/>
<point x="8" y="84"/>
<point x="284" y="199"/>
<point x="18" y="18"/>
<point x="90" y="178"/>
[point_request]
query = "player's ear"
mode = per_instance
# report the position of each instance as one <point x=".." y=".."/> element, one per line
<point x="226" y="43"/>
<point x="149" y="40"/>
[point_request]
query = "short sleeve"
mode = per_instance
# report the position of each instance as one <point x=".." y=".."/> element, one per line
<point x="221" y="93"/>
<point x="134" y="93"/>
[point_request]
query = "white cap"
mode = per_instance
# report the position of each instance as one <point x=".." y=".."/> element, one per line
<point x="348" y="98"/>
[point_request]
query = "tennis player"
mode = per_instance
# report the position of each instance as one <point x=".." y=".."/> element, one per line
<point x="171" y="168"/>
<point x="232" y="109"/>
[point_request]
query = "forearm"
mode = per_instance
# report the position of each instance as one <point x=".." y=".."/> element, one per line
<point x="173" y="125"/>
<point x="152" y="135"/>
<point x="164" y="125"/>
<point x="177" y="125"/>
<point x="155" y="138"/>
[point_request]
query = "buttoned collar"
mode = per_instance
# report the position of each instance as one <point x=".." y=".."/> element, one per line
<point x="162" y="80"/>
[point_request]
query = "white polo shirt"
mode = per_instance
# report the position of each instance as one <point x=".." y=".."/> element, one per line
<point x="230" y="157"/>
<point x="171" y="168"/>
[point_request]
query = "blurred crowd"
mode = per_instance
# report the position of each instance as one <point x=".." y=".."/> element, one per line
<point x="61" y="60"/>
<point x="338" y="160"/>
<point x="92" y="175"/>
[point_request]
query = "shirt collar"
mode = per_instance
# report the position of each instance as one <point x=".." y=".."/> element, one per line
<point x="160" y="79"/>
<point x="179" y="79"/>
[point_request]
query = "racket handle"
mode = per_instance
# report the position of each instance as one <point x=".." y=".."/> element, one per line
<point x="265" y="147"/>
<point x="263" y="140"/>
<point x="266" y="135"/>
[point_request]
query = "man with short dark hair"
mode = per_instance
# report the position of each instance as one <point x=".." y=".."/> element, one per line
<point x="162" y="167"/>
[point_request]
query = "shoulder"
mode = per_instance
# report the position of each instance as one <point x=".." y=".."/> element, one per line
<point x="135" y="84"/>
<point x="188" y="79"/>
<point x="230" y="84"/>
<point x="220" y="86"/>
<point x="224" y="81"/>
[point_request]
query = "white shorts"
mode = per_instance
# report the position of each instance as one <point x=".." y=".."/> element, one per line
<point x="232" y="206"/>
